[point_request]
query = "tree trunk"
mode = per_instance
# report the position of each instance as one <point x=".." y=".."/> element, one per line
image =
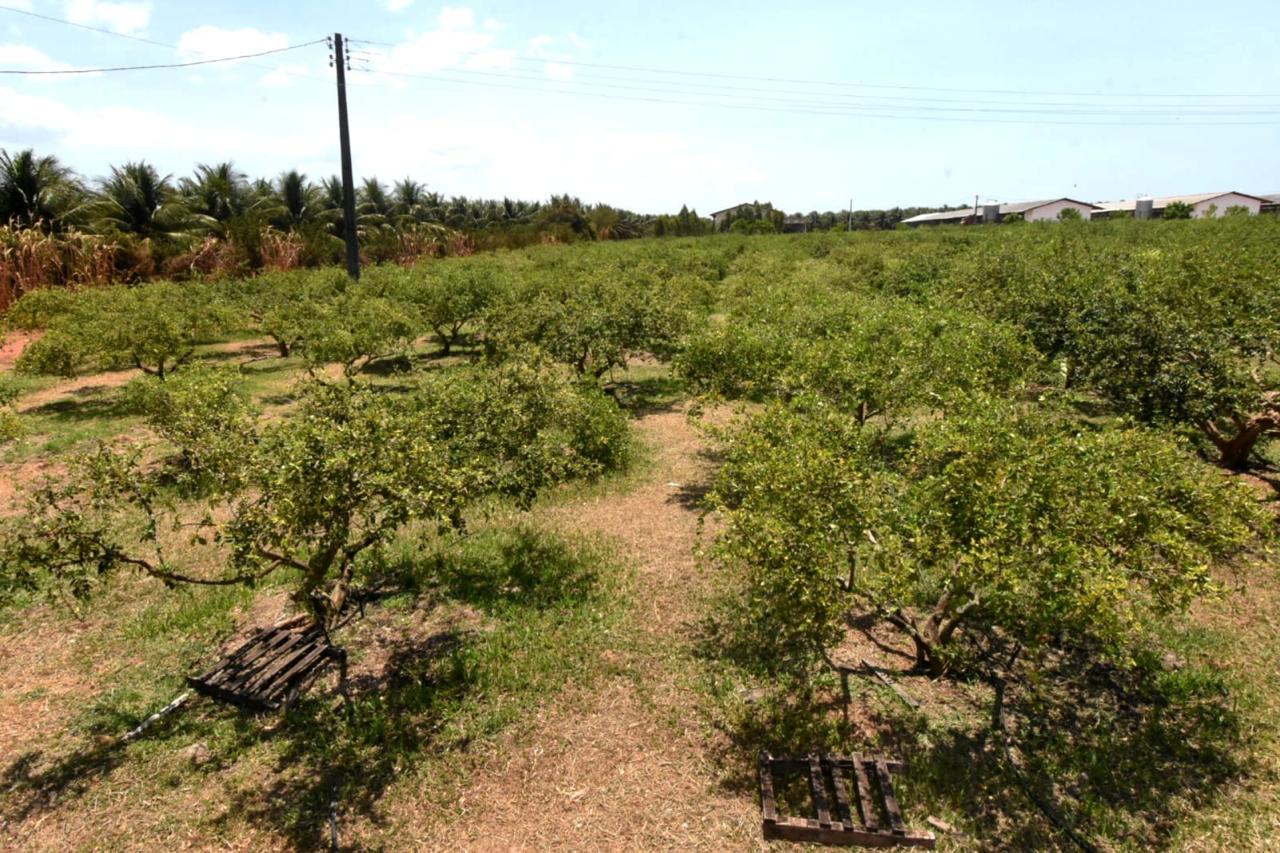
<point x="1234" y="448"/>
<point x="935" y="634"/>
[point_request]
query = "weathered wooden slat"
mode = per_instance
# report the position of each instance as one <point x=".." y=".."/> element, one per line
<point x="890" y="800"/>
<point x="870" y="815"/>
<point x="268" y="671"/>
<point x="768" y="806"/>
<point x="876" y="799"/>
<point x="258" y="644"/>
<point x="793" y="829"/>
<point x="843" y="806"/>
<point x="303" y="661"/>
<point x="271" y="668"/>
<point x="818" y="790"/>
<point x="248" y="657"/>
<point x="282" y="683"/>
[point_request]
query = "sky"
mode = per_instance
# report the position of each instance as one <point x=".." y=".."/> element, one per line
<point x="652" y="105"/>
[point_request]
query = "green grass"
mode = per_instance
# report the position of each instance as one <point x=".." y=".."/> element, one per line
<point x="540" y="608"/>
<point x="1182" y="748"/>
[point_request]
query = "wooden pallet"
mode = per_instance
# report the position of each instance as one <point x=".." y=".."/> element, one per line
<point x="866" y="808"/>
<point x="269" y="671"/>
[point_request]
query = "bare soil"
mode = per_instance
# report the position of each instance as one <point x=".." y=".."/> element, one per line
<point x="12" y="345"/>
<point x="627" y="764"/>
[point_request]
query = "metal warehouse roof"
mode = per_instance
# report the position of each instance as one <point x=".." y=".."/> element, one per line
<point x="1024" y="206"/>
<point x="1007" y="207"/>
<point x="942" y="216"/>
<point x="765" y="204"/>
<point x="1165" y="201"/>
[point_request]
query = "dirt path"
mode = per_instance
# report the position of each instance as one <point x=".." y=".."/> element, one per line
<point x="625" y="764"/>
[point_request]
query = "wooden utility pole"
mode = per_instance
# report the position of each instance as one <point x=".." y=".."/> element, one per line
<point x="344" y="142"/>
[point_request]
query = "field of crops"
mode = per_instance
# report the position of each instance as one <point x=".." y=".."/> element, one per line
<point x="598" y="523"/>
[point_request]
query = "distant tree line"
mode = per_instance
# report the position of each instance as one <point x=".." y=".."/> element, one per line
<point x="136" y="223"/>
<point x="865" y="220"/>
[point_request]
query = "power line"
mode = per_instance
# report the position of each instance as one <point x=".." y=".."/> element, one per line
<point x="1006" y="107"/>
<point x="85" y="26"/>
<point x="860" y="85"/>
<point x="164" y="65"/>
<point x="842" y="110"/>
<point x="67" y="23"/>
<point x="766" y="93"/>
<point x="897" y="86"/>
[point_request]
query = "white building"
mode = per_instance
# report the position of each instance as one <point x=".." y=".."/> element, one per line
<point x="1031" y="211"/>
<point x="1202" y="204"/>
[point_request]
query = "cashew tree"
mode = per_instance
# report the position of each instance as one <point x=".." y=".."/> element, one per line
<point x="317" y="495"/>
<point x="989" y="523"/>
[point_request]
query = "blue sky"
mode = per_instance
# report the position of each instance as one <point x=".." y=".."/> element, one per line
<point x="899" y="103"/>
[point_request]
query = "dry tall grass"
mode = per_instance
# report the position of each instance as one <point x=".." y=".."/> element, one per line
<point x="30" y="258"/>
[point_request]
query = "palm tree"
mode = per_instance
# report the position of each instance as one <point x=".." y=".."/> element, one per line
<point x="297" y="198"/>
<point x="330" y="195"/>
<point x="137" y="199"/>
<point x="408" y="200"/>
<point x="373" y="199"/>
<point x="458" y="213"/>
<point x="331" y="189"/>
<point x="218" y="192"/>
<point x="38" y="190"/>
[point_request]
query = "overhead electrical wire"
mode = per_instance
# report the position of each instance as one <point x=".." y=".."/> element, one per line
<point x="191" y="64"/>
<point x="861" y="85"/>
<point x="864" y="111"/>
<point x="51" y="18"/>
<point x="717" y="89"/>
<point x="769" y="98"/>
<point x="1003" y="107"/>
<point x="65" y="22"/>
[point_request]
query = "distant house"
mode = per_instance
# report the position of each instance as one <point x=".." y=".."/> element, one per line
<point x="795" y="224"/>
<point x="724" y="218"/>
<point x="1031" y="211"/>
<point x="1202" y="204"/>
<point x="1272" y="205"/>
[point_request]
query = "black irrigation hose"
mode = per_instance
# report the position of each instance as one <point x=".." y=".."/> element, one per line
<point x="333" y="815"/>
<point x="1048" y="809"/>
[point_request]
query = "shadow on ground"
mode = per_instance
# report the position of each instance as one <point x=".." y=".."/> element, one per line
<point x="436" y="692"/>
<point x="90" y="403"/>
<point x="1114" y="754"/>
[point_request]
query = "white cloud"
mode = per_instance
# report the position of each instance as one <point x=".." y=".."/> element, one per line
<point x="457" y="18"/>
<point x="28" y="58"/>
<point x="487" y="59"/>
<point x="558" y="71"/>
<point x="459" y="42"/>
<point x="558" y="65"/>
<point x="137" y="132"/>
<point x="33" y="112"/>
<point x="633" y="168"/>
<point x="121" y="17"/>
<point x="397" y="5"/>
<point x="456" y="42"/>
<point x="285" y="74"/>
<point x="209" y="42"/>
